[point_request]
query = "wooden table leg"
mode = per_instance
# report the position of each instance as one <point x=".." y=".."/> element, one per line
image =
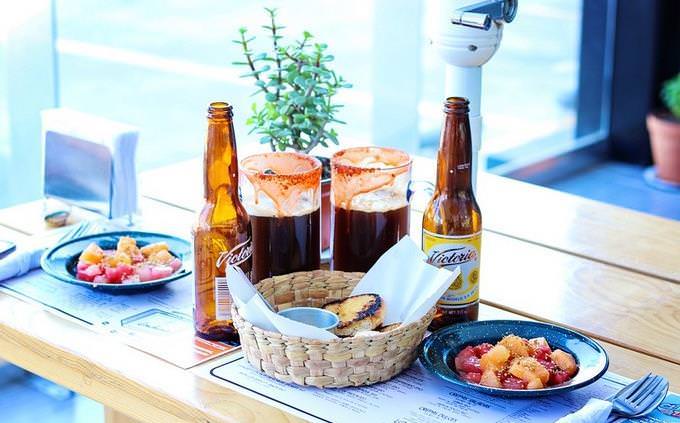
<point x="113" y="416"/>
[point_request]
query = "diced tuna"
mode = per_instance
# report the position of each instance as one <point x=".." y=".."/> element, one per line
<point x="160" y="272"/>
<point x="468" y="364"/>
<point x="473" y="377"/>
<point x="482" y="349"/>
<point x="89" y="273"/>
<point x="512" y="382"/>
<point x="144" y="273"/>
<point x="558" y="377"/>
<point x="175" y="264"/>
<point x="118" y="273"/>
<point x="100" y="279"/>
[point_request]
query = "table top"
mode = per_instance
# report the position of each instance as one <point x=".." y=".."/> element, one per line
<point x="609" y="272"/>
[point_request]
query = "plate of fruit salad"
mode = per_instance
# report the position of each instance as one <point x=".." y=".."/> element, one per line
<point x="119" y="261"/>
<point x="514" y="358"/>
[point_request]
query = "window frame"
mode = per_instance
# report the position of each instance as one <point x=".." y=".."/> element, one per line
<point x="616" y="66"/>
<point x="550" y="158"/>
<point x="612" y="64"/>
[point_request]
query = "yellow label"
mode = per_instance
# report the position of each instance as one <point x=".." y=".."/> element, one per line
<point x="450" y="251"/>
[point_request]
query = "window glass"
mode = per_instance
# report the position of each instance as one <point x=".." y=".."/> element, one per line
<point x="157" y="64"/>
<point x="529" y="87"/>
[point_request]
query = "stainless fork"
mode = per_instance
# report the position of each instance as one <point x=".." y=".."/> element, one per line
<point x="83" y="228"/>
<point x="639" y="398"/>
<point x="79" y="230"/>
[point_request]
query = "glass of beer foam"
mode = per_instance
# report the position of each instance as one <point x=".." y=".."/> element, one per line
<point x="282" y="194"/>
<point x="370" y="208"/>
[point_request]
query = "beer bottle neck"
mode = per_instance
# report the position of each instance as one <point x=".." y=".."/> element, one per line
<point x="220" y="162"/>
<point x="454" y="159"/>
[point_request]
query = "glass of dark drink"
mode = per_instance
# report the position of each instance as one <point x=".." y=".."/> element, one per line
<point x="282" y="194"/>
<point x="370" y="209"/>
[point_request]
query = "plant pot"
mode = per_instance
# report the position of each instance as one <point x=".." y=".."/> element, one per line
<point x="325" y="214"/>
<point x="325" y="203"/>
<point x="664" y="135"/>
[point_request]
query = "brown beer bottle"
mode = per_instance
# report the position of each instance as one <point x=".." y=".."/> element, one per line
<point x="222" y="233"/>
<point x="452" y="223"/>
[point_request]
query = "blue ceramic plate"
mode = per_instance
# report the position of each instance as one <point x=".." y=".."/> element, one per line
<point x="60" y="261"/>
<point x="442" y="347"/>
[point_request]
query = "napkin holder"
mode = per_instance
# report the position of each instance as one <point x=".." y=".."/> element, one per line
<point x="89" y="162"/>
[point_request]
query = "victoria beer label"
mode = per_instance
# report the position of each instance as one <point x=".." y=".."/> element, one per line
<point x="238" y="255"/>
<point x="452" y="222"/>
<point x="450" y="251"/>
<point x="222" y="234"/>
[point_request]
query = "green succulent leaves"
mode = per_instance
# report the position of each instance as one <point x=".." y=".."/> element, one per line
<point x="670" y="95"/>
<point x="297" y="87"/>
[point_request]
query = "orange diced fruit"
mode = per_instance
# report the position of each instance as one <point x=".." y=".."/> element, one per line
<point x="535" y="384"/>
<point x="128" y="246"/>
<point x="517" y="346"/>
<point x="149" y="250"/>
<point x="110" y="261"/>
<point x="123" y="258"/>
<point x="531" y="371"/>
<point x="489" y="378"/>
<point x="564" y="361"/>
<point x="92" y="254"/>
<point x="126" y="242"/>
<point x="117" y="258"/>
<point x="161" y="257"/>
<point x="495" y="358"/>
<point x="542" y="373"/>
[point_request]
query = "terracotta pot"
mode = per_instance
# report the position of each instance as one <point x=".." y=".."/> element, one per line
<point x="664" y="134"/>
<point x="325" y="214"/>
<point x="325" y="202"/>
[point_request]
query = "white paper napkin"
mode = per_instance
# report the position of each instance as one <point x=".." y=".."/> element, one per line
<point x="595" y="411"/>
<point x="25" y="258"/>
<point x="408" y="285"/>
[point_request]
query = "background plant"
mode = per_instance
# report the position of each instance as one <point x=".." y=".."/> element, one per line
<point x="298" y="88"/>
<point x="670" y="95"/>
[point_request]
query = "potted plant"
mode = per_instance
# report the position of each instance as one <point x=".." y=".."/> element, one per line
<point x="296" y="88"/>
<point x="664" y="133"/>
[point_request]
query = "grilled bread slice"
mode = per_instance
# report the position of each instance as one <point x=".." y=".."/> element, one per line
<point x="389" y="327"/>
<point x="333" y="307"/>
<point x="357" y="313"/>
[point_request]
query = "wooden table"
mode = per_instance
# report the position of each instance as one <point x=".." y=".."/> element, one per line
<point x="611" y="273"/>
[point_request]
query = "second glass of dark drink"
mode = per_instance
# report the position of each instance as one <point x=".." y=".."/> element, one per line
<point x="282" y="194"/>
<point x="370" y="211"/>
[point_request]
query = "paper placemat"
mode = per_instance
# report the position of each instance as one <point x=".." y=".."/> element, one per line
<point x="158" y="322"/>
<point x="416" y="396"/>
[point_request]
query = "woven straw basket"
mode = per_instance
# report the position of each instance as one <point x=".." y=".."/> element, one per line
<point x="351" y="361"/>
